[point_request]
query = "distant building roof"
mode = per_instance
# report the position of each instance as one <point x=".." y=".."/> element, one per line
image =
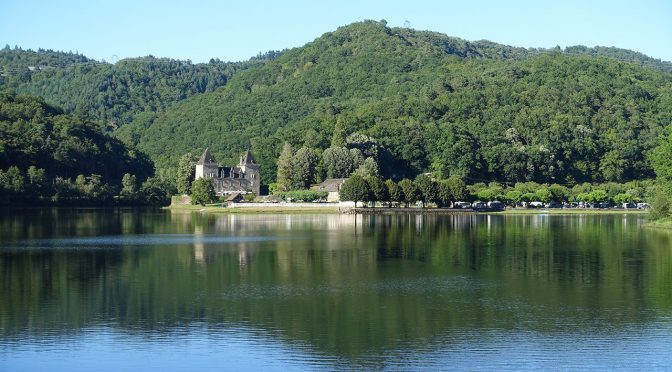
<point x="330" y="185"/>
<point x="247" y="158"/>
<point x="206" y="158"/>
<point x="234" y="197"/>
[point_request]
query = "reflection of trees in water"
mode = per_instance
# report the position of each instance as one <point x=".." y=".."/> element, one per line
<point x="348" y="286"/>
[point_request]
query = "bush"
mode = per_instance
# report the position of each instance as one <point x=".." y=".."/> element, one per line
<point x="303" y="195"/>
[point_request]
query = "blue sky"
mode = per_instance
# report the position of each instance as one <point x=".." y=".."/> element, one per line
<point x="237" y="30"/>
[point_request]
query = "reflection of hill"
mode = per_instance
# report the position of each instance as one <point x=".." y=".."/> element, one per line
<point x="347" y="287"/>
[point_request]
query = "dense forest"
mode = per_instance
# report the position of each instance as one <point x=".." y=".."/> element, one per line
<point x="393" y="101"/>
<point x="115" y="94"/>
<point x="49" y="157"/>
<point x="481" y="111"/>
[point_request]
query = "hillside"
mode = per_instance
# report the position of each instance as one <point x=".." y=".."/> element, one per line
<point x="431" y="102"/>
<point x="114" y="93"/>
<point x="35" y="133"/>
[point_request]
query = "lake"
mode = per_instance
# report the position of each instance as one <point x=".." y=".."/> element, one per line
<point x="135" y="290"/>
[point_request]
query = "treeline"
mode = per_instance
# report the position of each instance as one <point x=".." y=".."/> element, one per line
<point x="49" y="157"/>
<point x="446" y="192"/>
<point x="478" y="111"/>
<point x="662" y="163"/>
<point x="114" y="94"/>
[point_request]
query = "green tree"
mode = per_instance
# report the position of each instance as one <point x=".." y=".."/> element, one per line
<point x="378" y="190"/>
<point x="14" y="180"/>
<point x="202" y="191"/>
<point x="427" y="188"/>
<point x="410" y="191"/>
<point x="285" y="179"/>
<point x="186" y="169"/>
<point x="338" y="162"/>
<point x="559" y="193"/>
<point x="369" y="168"/>
<point x="543" y="195"/>
<point x="37" y="180"/>
<point x="395" y="192"/>
<point x="485" y="195"/>
<point x="444" y="194"/>
<point x="129" y="187"/>
<point x="458" y="188"/>
<point x="598" y="196"/>
<point x="514" y="196"/>
<point x="355" y="189"/>
<point x="303" y="168"/>
<point x="155" y="191"/>
<point x="623" y="198"/>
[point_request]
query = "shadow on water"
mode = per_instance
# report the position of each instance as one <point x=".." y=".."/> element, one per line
<point x="346" y="286"/>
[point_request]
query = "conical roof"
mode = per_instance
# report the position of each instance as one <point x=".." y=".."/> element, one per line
<point x="206" y="158"/>
<point x="248" y="158"/>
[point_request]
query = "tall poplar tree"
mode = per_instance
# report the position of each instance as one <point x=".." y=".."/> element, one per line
<point x="284" y="179"/>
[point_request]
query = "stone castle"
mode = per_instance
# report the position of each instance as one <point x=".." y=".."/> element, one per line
<point x="244" y="178"/>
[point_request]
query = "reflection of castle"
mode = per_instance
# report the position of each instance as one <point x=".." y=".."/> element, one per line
<point x="244" y="178"/>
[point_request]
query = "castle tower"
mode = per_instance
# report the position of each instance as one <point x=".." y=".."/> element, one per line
<point x="252" y="171"/>
<point x="206" y="166"/>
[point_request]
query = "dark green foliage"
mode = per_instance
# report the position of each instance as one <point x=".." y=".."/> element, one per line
<point x="458" y="189"/>
<point x="355" y="189"/>
<point x="113" y="93"/>
<point x="395" y="193"/>
<point x="379" y="191"/>
<point x="202" y="191"/>
<point x="303" y="168"/>
<point x="428" y="190"/>
<point x="129" y="187"/>
<point x="48" y="148"/>
<point x="156" y="191"/>
<point x="412" y="101"/>
<point x="480" y="111"/>
<point x="410" y="191"/>
<point x="285" y="181"/>
<point x="186" y="169"/>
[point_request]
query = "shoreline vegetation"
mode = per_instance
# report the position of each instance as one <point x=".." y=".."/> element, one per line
<point x="438" y="121"/>
<point x="336" y="208"/>
<point x="663" y="223"/>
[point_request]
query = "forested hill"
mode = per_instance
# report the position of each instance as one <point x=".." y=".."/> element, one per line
<point x="114" y="93"/>
<point x="428" y="102"/>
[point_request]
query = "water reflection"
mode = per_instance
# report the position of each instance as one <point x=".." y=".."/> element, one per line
<point x="353" y="288"/>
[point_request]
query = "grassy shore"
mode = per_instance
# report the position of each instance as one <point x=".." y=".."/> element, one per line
<point x="252" y="210"/>
<point x="218" y="208"/>
<point x="663" y="223"/>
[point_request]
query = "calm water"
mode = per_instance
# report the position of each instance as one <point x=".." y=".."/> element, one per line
<point x="127" y="290"/>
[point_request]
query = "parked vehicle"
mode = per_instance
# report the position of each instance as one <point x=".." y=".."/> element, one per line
<point x="462" y="205"/>
<point x="479" y="205"/>
<point x="495" y="204"/>
<point x="535" y="204"/>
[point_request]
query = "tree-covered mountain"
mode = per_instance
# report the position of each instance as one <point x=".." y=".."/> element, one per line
<point x="422" y="100"/>
<point x="430" y="102"/>
<point x="43" y="150"/>
<point x="114" y="93"/>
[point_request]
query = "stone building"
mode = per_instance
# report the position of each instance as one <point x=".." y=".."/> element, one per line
<point x="243" y="178"/>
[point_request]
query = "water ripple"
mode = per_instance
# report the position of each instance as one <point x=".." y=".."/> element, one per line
<point x="140" y="240"/>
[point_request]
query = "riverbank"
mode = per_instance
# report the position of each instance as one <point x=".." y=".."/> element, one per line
<point x="663" y="223"/>
<point x="296" y="209"/>
<point x="561" y="211"/>
<point x="519" y="211"/>
<point x="336" y="208"/>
